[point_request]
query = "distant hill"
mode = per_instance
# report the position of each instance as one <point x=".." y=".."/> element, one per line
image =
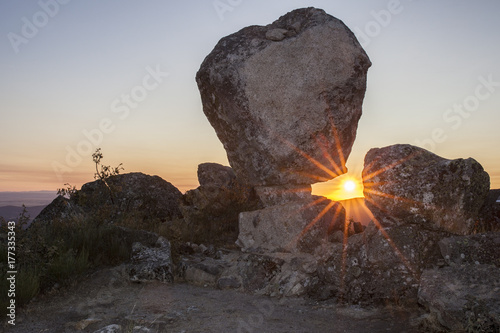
<point x="29" y="199"/>
<point x="11" y="203"/>
<point x="11" y="213"/>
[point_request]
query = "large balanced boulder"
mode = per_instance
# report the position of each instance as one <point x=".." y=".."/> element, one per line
<point x="408" y="184"/>
<point x="285" y="99"/>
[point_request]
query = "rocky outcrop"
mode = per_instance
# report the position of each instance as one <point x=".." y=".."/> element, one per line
<point x="405" y="184"/>
<point x="133" y="193"/>
<point x="211" y="210"/>
<point x="60" y="208"/>
<point x="285" y="98"/>
<point x="149" y="264"/>
<point x="133" y="196"/>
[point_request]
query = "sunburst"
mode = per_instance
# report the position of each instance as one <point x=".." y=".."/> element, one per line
<point x="333" y="170"/>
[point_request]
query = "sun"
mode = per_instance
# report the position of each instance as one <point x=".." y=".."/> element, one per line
<point x="343" y="187"/>
<point x="349" y="185"/>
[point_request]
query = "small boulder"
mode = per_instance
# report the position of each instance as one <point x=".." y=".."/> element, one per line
<point x="280" y="96"/>
<point x="408" y="184"/>
<point x="148" y="264"/>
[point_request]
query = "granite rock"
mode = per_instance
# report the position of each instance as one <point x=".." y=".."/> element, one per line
<point x="285" y="99"/>
<point x="405" y="184"/>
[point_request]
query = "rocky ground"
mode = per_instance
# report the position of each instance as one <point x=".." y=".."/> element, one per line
<point x="107" y="297"/>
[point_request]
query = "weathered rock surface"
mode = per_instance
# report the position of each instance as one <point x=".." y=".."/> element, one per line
<point x="148" y="264"/>
<point x="489" y="219"/>
<point x="462" y="298"/>
<point x="60" y="208"/>
<point x="377" y="266"/>
<point x="473" y="249"/>
<point x="292" y="227"/>
<point x="219" y="191"/>
<point x="113" y="328"/>
<point x="280" y="96"/>
<point x="133" y="196"/>
<point x="134" y="193"/>
<point x="410" y="185"/>
<point x="211" y="210"/>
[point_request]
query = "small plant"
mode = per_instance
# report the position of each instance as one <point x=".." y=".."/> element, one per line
<point x="103" y="172"/>
<point x="68" y="192"/>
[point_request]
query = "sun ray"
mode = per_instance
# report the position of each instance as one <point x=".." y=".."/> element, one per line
<point x="317" y="218"/>
<point x="391" y="196"/>
<point x="328" y="156"/>
<point x="384" y="169"/>
<point x="311" y="159"/>
<point x="392" y="244"/>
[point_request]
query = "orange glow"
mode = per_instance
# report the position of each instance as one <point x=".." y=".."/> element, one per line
<point x="345" y="187"/>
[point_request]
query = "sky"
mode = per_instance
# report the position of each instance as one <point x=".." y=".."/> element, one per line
<point x="120" y="75"/>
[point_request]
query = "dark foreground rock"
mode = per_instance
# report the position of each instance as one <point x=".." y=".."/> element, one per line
<point x="405" y="184"/>
<point x="280" y="96"/>
<point x="489" y="218"/>
<point x="133" y="196"/>
<point x="463" y="295"/>
<point x="462" y="298"/>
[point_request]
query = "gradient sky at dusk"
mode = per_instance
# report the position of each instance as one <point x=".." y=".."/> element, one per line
<point x="434" y="82"/>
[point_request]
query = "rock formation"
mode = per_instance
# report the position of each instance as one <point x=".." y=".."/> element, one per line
<point x="285" y="98"/>
<point x="132" y="195"/>
<point x="405" y="184"/>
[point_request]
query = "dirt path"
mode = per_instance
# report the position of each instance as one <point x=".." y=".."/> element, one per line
<point x="106" y="297"/>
